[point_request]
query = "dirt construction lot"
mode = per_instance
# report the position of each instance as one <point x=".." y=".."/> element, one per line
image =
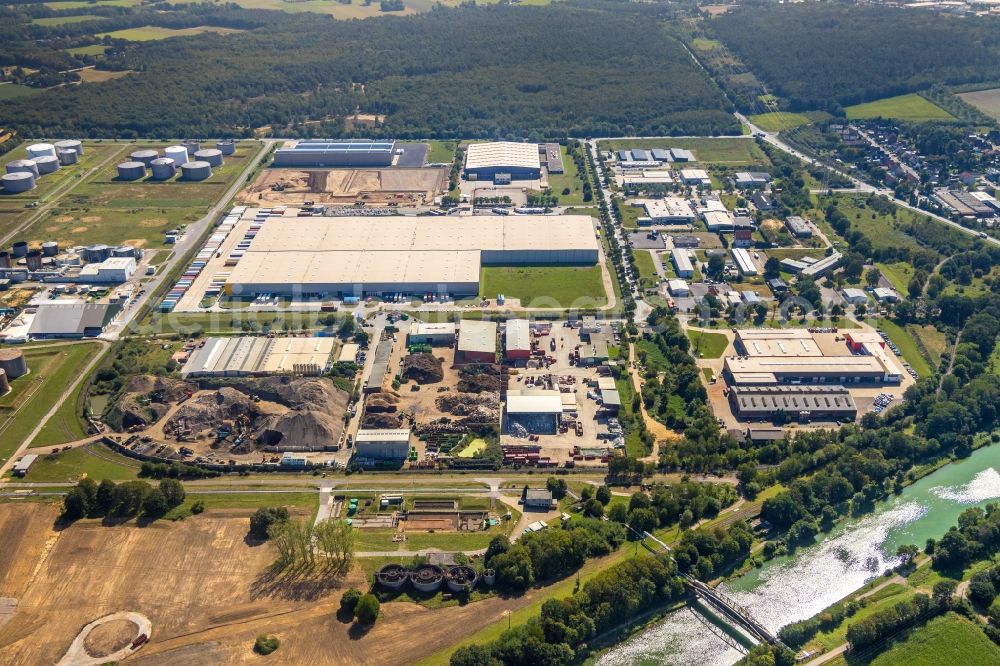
<point x="206" y="592"/>
<point x="403" y="187"/>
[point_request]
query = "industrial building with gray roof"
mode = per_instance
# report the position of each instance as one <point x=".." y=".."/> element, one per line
<point x="802" y="403"/>
<point x="362" y="255"/>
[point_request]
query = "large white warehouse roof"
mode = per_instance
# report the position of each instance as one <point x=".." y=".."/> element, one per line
<point x="502" y="154"/>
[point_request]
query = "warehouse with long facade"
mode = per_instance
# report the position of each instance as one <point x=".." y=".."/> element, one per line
<point x="327" y="153"/>
<point x="503" y="161"/>
<point x="801" y="403"/>
<point x="399" y="254"/>
<point x="250" y="356"/>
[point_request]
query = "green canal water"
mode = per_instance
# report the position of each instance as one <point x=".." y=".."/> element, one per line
<point x="792" y="588"/>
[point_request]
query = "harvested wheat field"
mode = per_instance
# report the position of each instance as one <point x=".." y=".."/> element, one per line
<point x="207" y="593"/>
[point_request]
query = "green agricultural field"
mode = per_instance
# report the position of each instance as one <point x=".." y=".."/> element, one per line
<point x="707" y="345"/>
<point x="62" y="20"/>
<point x="96" y="461"/>
<point x="65" y="425"/>
<point x="12" y="90"/>
<point x="83" y="4"/>
<point x="904" y="107"/>
<point x="152" y="32"/>
<point x="703" y="44"/>
<point x="52" y="369"/>
<point x="721" y="151"/>
<point x="570" y="180"/>
<point x="101" y="209"/>
<point x="245" y="500"/>
<point x="779" y="121"/>
<point x="949" y="639"/>
<point x="92" y="50"/>
<point x="576" y="287"/>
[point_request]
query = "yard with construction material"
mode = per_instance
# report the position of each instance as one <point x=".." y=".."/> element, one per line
<point x="987" y="101"/>
<point x="102" y="209"/>
<point x="52" y="368"/>
<point x="576" y="287"/>
<point x="373" y="187"/>
<point x="911" y="107"/>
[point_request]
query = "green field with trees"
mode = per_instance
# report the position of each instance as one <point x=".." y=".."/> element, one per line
<point x="546" y="286"/>
<point x="910" y="107"/>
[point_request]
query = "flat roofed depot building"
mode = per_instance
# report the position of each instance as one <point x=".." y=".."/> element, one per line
<point x="773" y="370"/>
<point x="250" y="356"/>
<point x="335" y="153"/>
<point x="537" y="410"/>
<point x="517" y="340"/>
<point x="382" y="444"/>
<point x="364" y="255"/>
<point x="790" y="342"/>
<point x="515" y="161"/>
<point x="477" y="342"/>
<point x="803" y="403"/>
<point x="437" y="334"/>
<point x="682" y="263"/>
<point x="669" y="210"/>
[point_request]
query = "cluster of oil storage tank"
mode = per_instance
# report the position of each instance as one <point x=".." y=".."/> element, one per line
<point x="43" y="158"/>
<point x="194" y="162"/>
<point x="12" y="366"/>
<point x="33" y="259"/>
<point x="429" y="577"/>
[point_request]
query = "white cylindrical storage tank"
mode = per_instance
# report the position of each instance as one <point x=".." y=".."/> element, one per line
<point x="211" y="155"/>
<point x="163" y="168"/>
<point x="69" y="144"/>
<point x="23" y="166"/>
<point x="41" y="150"/>
<point x="192" y="146"/>
<point x="131" y="171"/>
<point x="196" y="170"/>
<point x="47" y="164"/>
<point x="144" y="156"/>
<point x="50" y="249"/>
<point x="179" y="154"/>
<point x="226" y="146"/>
<point x="19" y="181"/>
<point x="489" y="577"/>
<point x="67" y="157"/>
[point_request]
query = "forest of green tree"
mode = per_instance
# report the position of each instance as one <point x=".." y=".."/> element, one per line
<point x="498" y="71"/>
<point x="822" y="56"/>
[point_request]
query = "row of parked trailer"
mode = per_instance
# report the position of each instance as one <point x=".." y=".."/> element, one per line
<point x="201" y="259"/>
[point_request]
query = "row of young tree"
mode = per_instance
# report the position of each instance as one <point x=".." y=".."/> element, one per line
<point x="89" y="499"/>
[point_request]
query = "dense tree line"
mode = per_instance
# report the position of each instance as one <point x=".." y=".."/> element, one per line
<point x="89" y="499"/>
<point x="450" y="77"/>
<point x="551" y="553"/>
<point x="975" y="537"/>
<point x="560" y="634"/>
<point x="884" y="623"/>
<point x="824" y="56"/>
